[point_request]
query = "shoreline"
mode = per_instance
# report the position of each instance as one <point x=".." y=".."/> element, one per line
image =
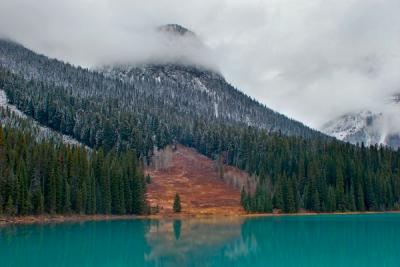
<point x="254" y="215"/>
<point x="56" y="219"/>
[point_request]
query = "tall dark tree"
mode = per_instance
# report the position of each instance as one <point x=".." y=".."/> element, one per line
<point x="177" y="203"/>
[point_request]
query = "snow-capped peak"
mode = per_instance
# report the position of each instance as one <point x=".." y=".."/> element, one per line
<point x="362" y="127"/>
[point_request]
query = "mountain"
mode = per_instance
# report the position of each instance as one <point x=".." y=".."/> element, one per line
<point x="191" y="91"/>
<point x="201" y="90"/>
<point x="356" y="128"/>
<point x="370" y="128"/>
<point x="175" y="29"/>
<point x="127" y="113"/>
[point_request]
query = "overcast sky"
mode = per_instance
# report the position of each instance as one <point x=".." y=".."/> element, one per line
<point x="309" y="59"/>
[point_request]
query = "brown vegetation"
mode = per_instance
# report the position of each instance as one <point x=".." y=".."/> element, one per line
<point x="198" y="182"/>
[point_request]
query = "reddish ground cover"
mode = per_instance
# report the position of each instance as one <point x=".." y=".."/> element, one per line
<point x="195" y="178"/>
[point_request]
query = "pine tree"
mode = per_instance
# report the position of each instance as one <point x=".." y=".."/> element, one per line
<point x="177" y="203"/>
<point x="340" y="196"/>
<point x="106" y="193"/>
<point x="1" y="204"/>
<point x="289" y="205"/>
<point x="2" y="153"/>
<point x="243" y="197"/>
<point x="148" y="179"/>
<point x="350" y="199"/>
<point x="52" y="187"/>
<point x="91" y="196"/>
<point x="360" y="198"/>
<point x="10" y="207"/>
<point x="278" y="195"/>
<point x="24" y="205"/>
<point x="370" y="199"/>
<point x="244" y="200"/>
<point x="67" y="197"/>
<point x="331" y="205"/>
<point x="291" y="202"/>
<point x="2" y="168"/>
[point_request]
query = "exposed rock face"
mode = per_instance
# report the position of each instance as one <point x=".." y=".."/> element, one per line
<point x="364" y="127"/>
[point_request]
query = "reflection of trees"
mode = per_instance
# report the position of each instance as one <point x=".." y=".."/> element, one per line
<point x="369" y="240"/>
<point x="192" y="241"/>
<point x="177" y="228"/>
<point x="279" y="241"/>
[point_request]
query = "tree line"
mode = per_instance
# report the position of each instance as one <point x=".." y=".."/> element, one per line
<point x="53" y="178"/>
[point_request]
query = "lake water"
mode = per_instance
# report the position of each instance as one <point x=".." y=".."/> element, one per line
<point x="325" y="240"/>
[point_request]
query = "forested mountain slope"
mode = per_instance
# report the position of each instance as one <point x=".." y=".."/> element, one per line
<point x="204" y="93"/>
<point x="197" y="88"/>
<point x="11" y="116"/>
<point x="139" y="108"/>
<point x="160" y="97"/>
<point x="192" y="91"/>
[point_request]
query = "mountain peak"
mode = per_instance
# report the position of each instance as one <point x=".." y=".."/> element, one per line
<point x="175" y="29"/>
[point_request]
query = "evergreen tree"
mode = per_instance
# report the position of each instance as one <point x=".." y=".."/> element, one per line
<point x="10" y="207"/>
<point x="331" y="205"/>
<point x="177" y="203"/>
<point x="278" y="195"/>
<point x="360" y="198"/>
<point x="340" y="196"/>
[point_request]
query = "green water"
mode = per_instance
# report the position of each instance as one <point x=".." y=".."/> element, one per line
<point x="326" y="240"/>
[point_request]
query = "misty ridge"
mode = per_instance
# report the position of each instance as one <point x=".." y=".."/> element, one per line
<point x="337" y="58"/>
<point x="165" y="44"/>
<point x="172" y="44"/>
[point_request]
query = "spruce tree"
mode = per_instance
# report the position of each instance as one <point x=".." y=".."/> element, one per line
<point x="177" y="204"/>
<point x="10" y="208"/>
<point x="331" y="205"/>
<point x="340" y="196"/>
<point x="360" y="198"/>
<point x="278" y="194"/>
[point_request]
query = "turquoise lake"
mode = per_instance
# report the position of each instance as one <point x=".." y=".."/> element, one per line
<point x="324" y="240"/>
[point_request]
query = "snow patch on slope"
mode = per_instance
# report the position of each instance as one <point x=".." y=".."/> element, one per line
<point x="4" y="103"/>
<point x="44" y="132"/>
<point x="216" y="109"/>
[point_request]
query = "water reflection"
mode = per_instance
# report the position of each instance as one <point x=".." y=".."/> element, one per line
<point x="354" y="240"/>
<point x="189" y="242"/>
<point x="365" y="240"/>
<point x="177" y="228"/>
